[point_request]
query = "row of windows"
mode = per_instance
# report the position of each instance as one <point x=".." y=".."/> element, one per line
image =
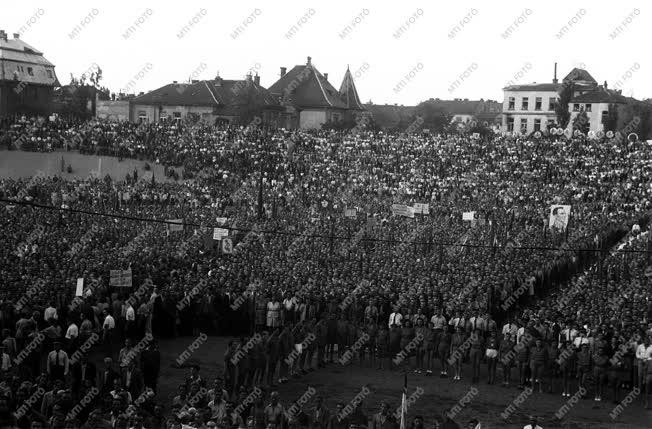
<point x="577" y="107"/>
<point x="30" y="71"/>
<point x="538" y="103"/>
<point x="523" y="127"/>
<point x="142" y="116"/>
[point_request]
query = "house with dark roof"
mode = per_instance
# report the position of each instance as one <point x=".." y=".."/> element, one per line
<point x="596" y="103"/>
<point x="310" y="100"/>
<point x="27" y="78"/>
<point x="219" y="100"/>
<point x="531" y="107"/>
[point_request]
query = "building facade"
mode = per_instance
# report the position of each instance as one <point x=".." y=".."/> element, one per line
<point x="219" y="100"/>
<point x="531" y="107"/>
<point x="310" y="101"/>
<point x="27" y="78"/>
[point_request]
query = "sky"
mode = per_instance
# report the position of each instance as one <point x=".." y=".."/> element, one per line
<point x="399" y="52"/>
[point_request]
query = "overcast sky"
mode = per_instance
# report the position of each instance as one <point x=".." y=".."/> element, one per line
<point x="432" y="57"/>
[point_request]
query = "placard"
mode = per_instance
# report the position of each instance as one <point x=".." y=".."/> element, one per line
<point x="468" y="216"/>
<point x="80" y="287"/>
<point x="422" y="208"/>
<point x="177" y="225"/>
<point x="120" y="278"/>
<point x="402" y="210"/>
<point x="351" y="213"/>
<point x="227" y="246"/>
<point x="219" y="233"/>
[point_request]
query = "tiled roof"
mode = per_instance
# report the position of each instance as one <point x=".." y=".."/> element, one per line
<point x="348" y="92"/>
<point x="219" y="92"/>
<point x="579" y="74"/>
<point x="534" y="87"/>
<point x="305" y="87"/>
<point x="467" y="107"/>
<point x="600" y="95"/>
<point x="13" y="51"/>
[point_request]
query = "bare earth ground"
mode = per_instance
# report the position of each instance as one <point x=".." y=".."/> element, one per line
<point x="338" y="383"/>
<point x="25" y="164"/>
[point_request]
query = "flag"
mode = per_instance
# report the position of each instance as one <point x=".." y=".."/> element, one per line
<point x="404" y="403"/>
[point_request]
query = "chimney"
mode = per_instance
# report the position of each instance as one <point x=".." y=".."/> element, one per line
<point x="283" y="71"/>
<point x="16" y="35"/>
<point x="309" y="59"/>
<point x="326" y="76"/>
<point x="605" y="85"/>
<point x="554" y="79"/>
<point x="257" y="79"/>
<point x="3" y="35"/>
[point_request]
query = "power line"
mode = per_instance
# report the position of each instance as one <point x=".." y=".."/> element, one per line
<point x="298" y="234"/>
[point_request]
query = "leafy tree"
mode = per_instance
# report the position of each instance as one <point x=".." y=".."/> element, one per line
<point x="611" y="121"/>
<point x="561" y="110"/>
<point x="581" y="122"/>
<point x="435" y="118"/>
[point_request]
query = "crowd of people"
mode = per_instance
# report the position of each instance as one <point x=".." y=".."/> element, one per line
<point x="323" y="270"/>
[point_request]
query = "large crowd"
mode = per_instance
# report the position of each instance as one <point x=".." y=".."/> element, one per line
<point x="322" y="270"/>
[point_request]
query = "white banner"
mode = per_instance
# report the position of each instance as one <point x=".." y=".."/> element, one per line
<point x="219" y="233"/>
<point x="468" y="216"/>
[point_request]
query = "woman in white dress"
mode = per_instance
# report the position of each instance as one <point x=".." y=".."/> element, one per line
<point x="274" y="313"/>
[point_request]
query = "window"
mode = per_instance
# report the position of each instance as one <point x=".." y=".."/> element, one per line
<point x="576" y="107"/>
<point x="537" y="125"/>
<point x="552" y="103"/>
<point x="142" y="116"/>
<point x="549" y="123"/>
<point x="510" y="124"/>
<point x="523" y="125"/>
<point x="537" y="103"/>
<point x="177" y="116"/>
<point x="512" y="102"/>
<point x="49" y="72"/>
<point x="30" y="71"/>
<point x="526" y="102"/>
<point x="587" y="107"/>
<point x="164" y="115"/>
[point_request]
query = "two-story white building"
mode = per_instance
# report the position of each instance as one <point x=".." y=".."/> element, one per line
<point x="596" y="104"/>
<point x="531" y="107"/>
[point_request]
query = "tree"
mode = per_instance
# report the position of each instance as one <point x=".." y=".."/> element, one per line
<point x="581" y="122"/>
<point x="610" y="122"/>
<point x="561" y="109"/>
<point x="435" y="118"/>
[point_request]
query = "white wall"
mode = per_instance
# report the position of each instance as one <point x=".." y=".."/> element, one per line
<point x="310" y="119"/>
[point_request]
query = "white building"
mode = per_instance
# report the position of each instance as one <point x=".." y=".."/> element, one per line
<point x="531" y="107"/>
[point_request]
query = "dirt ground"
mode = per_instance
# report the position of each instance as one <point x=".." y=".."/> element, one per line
<point x="342" y="383"/>
<point x="26" y="164"/>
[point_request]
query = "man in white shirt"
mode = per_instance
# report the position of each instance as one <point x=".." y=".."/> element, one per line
<point x="643" y="358"/>
<point x="72" y="332"/>
<point x="476" y="322"/>
<point x="57" y="363"/>
<point x="581" y="339"/>
<point x="510" y="328"/>
<point x="438" y="321"/>
<point x="457" y="320"/>
<point x="567" y="335"/>
<point x="50" y="313"/>
<point x="395" y="318"/>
